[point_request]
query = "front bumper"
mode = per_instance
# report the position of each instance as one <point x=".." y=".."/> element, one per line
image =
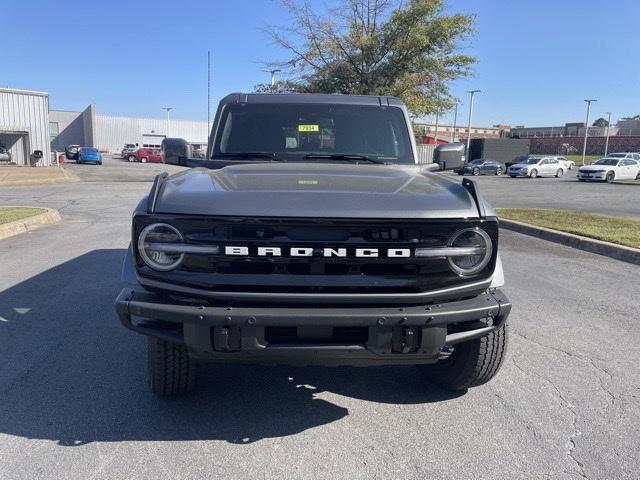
<point x="387" y="335"/>
<point x="592" y="176"/>
<point x="518" y="173"/>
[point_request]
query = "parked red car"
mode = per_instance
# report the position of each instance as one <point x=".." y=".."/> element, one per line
<point x="145" y="155"/>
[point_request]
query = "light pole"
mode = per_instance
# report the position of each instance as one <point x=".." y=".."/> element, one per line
<point x="606" y="144"/>
<point x="273" y="76"/>
<point x="472" y="93"/>
<point x="168" y="110"/>
<point x="455" y="121"/>
<point x="586" y="128"/>
<point x="435" y="136"/>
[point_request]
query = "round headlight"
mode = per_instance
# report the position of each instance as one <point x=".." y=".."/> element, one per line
<point x="153" y="245"/>
<point x="479" y="242"/>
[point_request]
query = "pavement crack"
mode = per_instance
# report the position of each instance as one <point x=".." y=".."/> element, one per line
<point x="575" y="431"/>
<point x="611" y="398"/>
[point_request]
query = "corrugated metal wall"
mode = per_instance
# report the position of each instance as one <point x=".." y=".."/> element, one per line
<point x="25" y="113"/>
<point x="425" y="153"/>
<point x="113" y="132"/>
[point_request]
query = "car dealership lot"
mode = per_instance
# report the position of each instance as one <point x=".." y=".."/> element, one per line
<point x="565" y="193"/>
<point x="74" y="403"/>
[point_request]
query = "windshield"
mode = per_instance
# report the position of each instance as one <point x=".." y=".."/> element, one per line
<point x="607" y="161"/>
<point x="295" y="131"/>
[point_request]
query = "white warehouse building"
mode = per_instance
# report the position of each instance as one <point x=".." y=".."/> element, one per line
<point x="24" y="126"/>
<point x="110" y="133"/>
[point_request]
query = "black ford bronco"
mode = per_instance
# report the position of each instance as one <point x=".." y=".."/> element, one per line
<point x="311" y="235"/>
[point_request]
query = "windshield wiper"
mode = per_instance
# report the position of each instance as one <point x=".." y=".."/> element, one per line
<point x="269" y="155"/>
<point x="343" y="157"/>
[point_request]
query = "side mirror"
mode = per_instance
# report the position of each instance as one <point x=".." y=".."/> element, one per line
<point x="175" y="151"/>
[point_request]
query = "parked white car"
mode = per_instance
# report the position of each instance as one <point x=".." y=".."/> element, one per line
<point x="568" y="164"/>
<point x="609" y="169"/>
<point x="533" y="167"/>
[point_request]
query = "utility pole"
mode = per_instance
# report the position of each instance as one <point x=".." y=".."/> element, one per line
<point x="208" y="98"/>
<point x="586" y="128"/>
<point x="455" y="121"/>
<point x="472" y="93"/>
<point x="435" y="137"/>
<point x="606" y="145"/>
<point x="168" y="110"/>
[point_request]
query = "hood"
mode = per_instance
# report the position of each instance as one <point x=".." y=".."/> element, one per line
<point x="315" y="190"/>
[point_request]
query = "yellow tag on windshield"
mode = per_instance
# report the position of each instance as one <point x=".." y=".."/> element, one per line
<point x="308" y="128"/>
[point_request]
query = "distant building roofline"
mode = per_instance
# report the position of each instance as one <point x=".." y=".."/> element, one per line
<point x="24" y="92"/>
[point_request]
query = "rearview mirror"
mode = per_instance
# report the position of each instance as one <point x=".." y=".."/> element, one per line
<point x="175" y="151"/>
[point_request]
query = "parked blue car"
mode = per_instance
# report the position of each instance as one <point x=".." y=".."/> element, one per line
<point x="88" y="154"/>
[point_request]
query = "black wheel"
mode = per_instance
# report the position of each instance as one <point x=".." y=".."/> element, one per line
<point x="171" y="370"/>
<point x="559" y="173"/>
<point x="499" y="171"/>
<point x="581" y="180"/>
<point x="534" y="173"/>
<point x="512" y="176"/>
<point x="471" y="364"/>
<point x="611" y="176"/>
<point x="476" y="171"/>
<point x="131" y="158"/>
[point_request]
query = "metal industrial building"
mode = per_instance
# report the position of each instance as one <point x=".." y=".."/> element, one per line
<point x="24" y="126"/>
<point x="110" y="133"/>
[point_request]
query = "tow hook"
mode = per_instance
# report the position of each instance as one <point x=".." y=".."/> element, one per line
<point x="405" y="339"/>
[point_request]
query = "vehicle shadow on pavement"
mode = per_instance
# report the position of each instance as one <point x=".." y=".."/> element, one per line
<point x="69" y="372"/>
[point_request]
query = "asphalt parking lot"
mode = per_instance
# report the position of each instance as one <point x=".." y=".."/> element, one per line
<point x="74" y="403"/>
<point x="618" y="199"/>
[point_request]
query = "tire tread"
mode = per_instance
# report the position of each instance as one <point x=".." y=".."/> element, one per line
<point x="472" y="364"/>
<point x="171" y="370"/>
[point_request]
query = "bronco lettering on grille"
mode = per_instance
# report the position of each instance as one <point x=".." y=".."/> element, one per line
<point x="324" y="252"/>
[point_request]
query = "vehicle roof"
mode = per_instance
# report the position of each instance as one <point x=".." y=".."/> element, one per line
<point x="311" y="98"/>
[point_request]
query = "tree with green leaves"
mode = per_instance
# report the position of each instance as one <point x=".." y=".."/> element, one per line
<point x="411" y="49"/>
<point x="601" y="122"/>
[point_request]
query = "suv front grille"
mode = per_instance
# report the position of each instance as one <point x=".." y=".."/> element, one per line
<point x="316" y="273"/>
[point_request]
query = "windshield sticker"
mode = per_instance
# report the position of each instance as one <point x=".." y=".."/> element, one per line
<point x="308" y="128"/>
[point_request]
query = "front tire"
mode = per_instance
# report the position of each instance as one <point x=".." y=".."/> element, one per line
<point x="471" y="364"/>
<point x="476" y="172"/>
<point x="131" y="158"/>
<point x="171" y="370"/>
<point x="559" y="173"/>
<point x="499" y="171"/>
<point x="534" y="173"/>
<point x="611" y="176"/>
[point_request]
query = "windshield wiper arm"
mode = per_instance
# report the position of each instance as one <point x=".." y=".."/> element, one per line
<point x="270" y="155"/>
<point x="343" y="157"/>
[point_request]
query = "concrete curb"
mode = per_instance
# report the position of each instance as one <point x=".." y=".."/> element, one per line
<point x="24" y="225"/>
<point x="619" y="252"/>
<point x="66" y="176"/>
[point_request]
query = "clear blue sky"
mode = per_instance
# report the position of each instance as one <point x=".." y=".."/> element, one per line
<point x="537" y="60"/>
